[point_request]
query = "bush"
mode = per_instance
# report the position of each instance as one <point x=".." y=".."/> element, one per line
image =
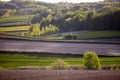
<point x="70" y="36"/>
<point x="117" y="68"/>
<point x="59" y="65"/>
<point x="1" y="68"/>
<point x="91" y="61"/>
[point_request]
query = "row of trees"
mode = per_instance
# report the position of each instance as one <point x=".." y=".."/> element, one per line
<point x="100" y="16"/>
<point x="57" y="10"/>
<point x="37" y="30"/>
<point x="88" y="20"/>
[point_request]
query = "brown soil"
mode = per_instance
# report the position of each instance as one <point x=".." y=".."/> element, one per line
<point x="53" y="47"/>
<point x="59" y="75"/>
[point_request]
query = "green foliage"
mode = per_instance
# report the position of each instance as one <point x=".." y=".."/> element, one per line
<point x="35" y="30"/>
<point x="66" y="16"/>
<point x="46" y="21"/>
<point x="59" y="65"/>
<point x="1" y="68"/>
<point x="111" y="68"/>
<point x="9" y="13"/>
<point x="91" y="61"/>
<point x="115" y="67"/>
<point x="36" y="19"/>
<point x="50" y="29"/>
<point x="70" y="36"/>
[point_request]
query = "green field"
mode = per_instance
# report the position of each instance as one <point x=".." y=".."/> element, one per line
<point x="88" y="35"/>
<point x="99" y="34"/>
<point x="15" y="25"/>
<point x="16" y="20"/>
<point x="13" y="61"/>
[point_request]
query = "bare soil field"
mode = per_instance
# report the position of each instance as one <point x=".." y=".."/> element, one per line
<point x="54" y="47"/>
<point x="59" y="75"/>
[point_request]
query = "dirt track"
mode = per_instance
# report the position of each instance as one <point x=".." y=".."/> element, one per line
<point x="75" y="48"/>
<point x="58" y="75"/>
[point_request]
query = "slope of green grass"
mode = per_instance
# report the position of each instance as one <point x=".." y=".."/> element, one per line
<point x="99" y="34"/>
<point x="11" y="61"/>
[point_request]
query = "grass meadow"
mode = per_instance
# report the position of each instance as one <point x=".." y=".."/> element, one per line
<point x="88" y="35"/>
<point x="14" y="61"/>
<point x="99" y="34"/>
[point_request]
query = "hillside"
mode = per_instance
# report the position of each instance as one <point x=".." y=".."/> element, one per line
<point x="60" y="17"/>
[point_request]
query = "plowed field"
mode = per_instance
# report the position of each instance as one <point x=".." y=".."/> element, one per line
<point x="59" y="75"/>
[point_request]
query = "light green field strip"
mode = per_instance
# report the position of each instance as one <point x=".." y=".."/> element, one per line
<point x="17" y="28"/>
<point x="17" y="60"/>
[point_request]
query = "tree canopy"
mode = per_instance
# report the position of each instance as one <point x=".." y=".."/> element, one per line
<point x="67" y="16"/>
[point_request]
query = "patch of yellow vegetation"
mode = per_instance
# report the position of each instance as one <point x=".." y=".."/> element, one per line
<point x="17" y="28"/>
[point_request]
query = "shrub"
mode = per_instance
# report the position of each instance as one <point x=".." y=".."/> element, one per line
<point x="112" y="68"/>
<point x="70" y="36"/>
<point x="117" y="68"/>
<point x="1" y="68"/>
<point x="59" y="65"/>
<point x="91" y="61"/>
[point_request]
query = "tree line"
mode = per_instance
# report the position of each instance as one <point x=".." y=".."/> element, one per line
<point x="67" y="16"/>
<point x="37" y="30"/>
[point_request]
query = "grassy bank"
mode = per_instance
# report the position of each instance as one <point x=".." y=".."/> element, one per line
<point x="13" y="61"/>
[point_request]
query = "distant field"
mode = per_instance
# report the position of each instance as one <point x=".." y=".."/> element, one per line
<point x="15" y="25"/>
<point x="15" y="20"/>
<point x="87" y="35"/>
<point x="99" y="34"/>
<point x="15" y="28"/>
<point x="12" y="61"/>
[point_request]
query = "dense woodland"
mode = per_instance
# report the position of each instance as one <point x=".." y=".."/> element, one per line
<point x="66" y="16"/>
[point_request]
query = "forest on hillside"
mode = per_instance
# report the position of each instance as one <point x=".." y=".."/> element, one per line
<point x="104" y="15"/>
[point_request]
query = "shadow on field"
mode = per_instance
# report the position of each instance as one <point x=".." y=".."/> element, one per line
<point x="49" y="54"/>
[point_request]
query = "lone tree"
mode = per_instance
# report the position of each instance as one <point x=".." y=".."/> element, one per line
<point x="91" y="61"/>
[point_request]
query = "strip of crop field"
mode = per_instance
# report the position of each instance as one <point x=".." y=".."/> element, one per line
<point x="99" y="34"/>
<point x="11" y="61"/>
<point x="15" y="20"/>
<point x="15" y="28"/>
